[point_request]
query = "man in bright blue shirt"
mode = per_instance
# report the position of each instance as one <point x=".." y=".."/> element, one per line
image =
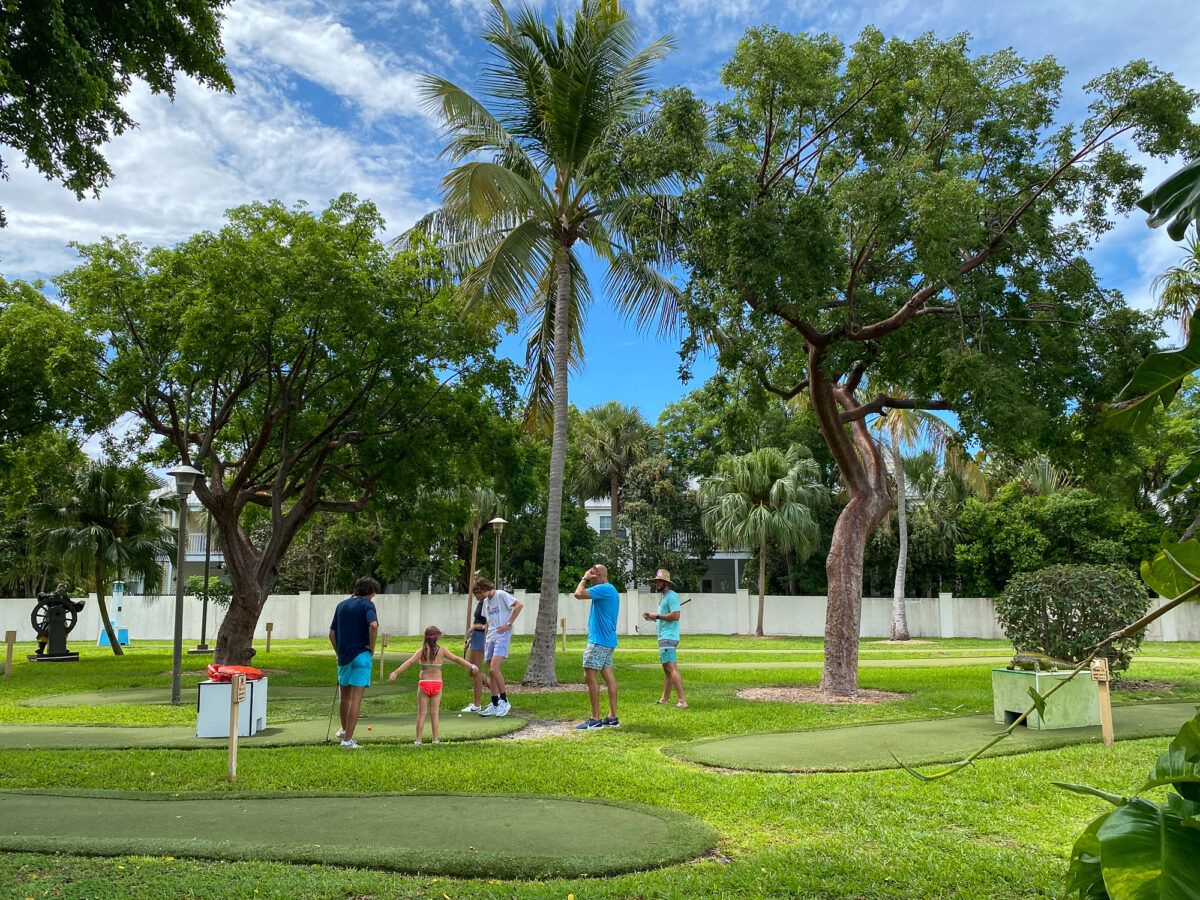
<point x="602" y="640"/>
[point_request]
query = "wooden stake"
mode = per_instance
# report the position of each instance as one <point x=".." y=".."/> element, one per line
<point x="237" y="693"/>
<point x="563" y="623"/>
<point x="270" y="628"/>
<point x="10" y="638"/>
<point x="382" y="648"/>
<point x="1100" y="675"/>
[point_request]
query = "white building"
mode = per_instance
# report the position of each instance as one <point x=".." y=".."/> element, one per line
<point x="724" y="567"/>
<point x="194" y="552"/>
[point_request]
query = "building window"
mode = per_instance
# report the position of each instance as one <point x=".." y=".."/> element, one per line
<point x="606" y="524"/>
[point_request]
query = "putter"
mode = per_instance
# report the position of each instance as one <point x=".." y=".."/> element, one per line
<point x="332" y="709"/>
<point x="638" y="626"/>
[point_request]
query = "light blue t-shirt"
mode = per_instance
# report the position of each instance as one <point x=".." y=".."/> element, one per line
<point x="668" y="631"/>
<point x="602" y="620"/>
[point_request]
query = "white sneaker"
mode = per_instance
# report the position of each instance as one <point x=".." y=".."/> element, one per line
<point x="472" y="708"/>
<point x="490" y="710"/>
<point x="351" y="745"/>
<point x="416" y="743"/>
<point x="341" y="733"/>
<point x="503" y="708"/>
<point x="436" y="740"/>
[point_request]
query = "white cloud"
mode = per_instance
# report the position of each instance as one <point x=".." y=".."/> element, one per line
<point x="190" y="161"/>
<point x="318" y="47"/>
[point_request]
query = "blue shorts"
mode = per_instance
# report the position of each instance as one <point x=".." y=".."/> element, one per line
<point x="597" y="657"/>
<point x="357" y="672"/>
<point x="666" y="651"/>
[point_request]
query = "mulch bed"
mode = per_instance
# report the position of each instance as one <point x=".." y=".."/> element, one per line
<point x="816" y="695"/>
<point x="575" y="687"/>
<point x="1130" y="684"/>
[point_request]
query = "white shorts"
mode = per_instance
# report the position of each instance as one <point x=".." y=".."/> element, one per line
<point x="497" y="645"/>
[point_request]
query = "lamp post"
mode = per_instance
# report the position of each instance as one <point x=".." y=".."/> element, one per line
<point x="498" y="527"/>
<point x="185" y="479"/>
<point x="202" y="649"/>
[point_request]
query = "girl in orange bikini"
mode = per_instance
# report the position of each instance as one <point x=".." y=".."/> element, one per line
<point x="429" y="686"/>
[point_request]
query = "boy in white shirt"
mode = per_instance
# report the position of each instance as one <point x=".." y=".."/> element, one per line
<point x="501" y="609"/>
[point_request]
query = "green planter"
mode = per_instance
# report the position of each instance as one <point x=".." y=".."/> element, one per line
<point x="1075" y="705"/>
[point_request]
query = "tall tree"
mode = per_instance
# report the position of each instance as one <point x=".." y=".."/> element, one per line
<point x="563" y="96"/>
<point x="48" y="366"/>
<point x="298" y="363"/>
<point x="905" y="428"/>
<point x="910" y="213"/>
<point x="612" y="439"/>
<point x="765" y="497"/>
<point x="65" y="68"/>
<point x="107" y="525"/>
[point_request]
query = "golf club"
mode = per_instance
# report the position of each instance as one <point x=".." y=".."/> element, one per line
<point x="638" y="627"/>
<point x="332" y="709"/>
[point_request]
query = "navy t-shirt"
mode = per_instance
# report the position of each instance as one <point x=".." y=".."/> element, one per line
<point x="351" y="627"/>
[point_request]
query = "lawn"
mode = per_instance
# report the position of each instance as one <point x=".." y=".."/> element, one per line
<point x="996" y="830"/>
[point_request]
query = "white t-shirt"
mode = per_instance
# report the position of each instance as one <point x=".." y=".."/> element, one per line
<point x="498" y="609"/>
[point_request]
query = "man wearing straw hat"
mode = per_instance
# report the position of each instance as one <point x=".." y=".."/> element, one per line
<point x="667" y="618"/>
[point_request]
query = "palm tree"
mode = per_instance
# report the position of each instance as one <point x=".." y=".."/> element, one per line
<point x="612" y="439"/>
<point x="536" y="182"/>
<point x="1178" y="288"/>
<point x="907" y="428"/>
<point x="484" y="505"/>
<point x="106" y="525"/>
<point x="1039" y="476"/>
<point x="765" y="496"/>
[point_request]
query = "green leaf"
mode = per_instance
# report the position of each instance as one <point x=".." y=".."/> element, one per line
<point x="1176" y="200"/>
<point x="1173" y="569"/>
<point x="1179" y="764"/>
<point x="1085" y="878"/>
<point x="1039" y="702"/>
<point x="1156" y="379"/>
<point x="1114" y="799"/>
<point x="1188" y="810"/>
<point x="1183" y="477"/>
<point x="1146" y="853"/>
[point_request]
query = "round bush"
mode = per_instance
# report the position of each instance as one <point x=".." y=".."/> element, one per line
<point x="1063" y="610"/>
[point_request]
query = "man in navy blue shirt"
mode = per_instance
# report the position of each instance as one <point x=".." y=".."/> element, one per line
<point x="352" y="633"/>
<point x="602" y="640"/>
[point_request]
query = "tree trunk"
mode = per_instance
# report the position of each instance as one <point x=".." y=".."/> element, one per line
<point x="865" y="477"/>
<point x="615" y="503"/>
<point x="235" y="639"/>
<point x="540" y="669"/>
<point x="103" y="607"/>
<point x="899" y="617"/>
<point x="471" y="573"/>
<point x="762" y="585"/>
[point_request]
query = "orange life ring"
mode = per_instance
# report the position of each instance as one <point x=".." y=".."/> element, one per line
<point x="226" y="673"/>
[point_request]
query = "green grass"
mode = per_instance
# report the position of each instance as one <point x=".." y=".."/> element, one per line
<point x="995" y="830"/>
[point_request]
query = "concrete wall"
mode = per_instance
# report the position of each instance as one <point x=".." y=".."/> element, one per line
<point x="308" y="615"/>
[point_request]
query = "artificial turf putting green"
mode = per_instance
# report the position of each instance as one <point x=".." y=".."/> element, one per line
<point x="498" y="836"/>
<point x="384" y="730"/>
<point x="916" y="741"/>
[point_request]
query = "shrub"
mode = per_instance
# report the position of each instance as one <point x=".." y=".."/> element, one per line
<point x="1063" y="610"/>
<point x="219" y="591"/>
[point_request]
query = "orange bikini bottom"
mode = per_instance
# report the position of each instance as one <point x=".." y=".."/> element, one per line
<point x="431" y="688"/>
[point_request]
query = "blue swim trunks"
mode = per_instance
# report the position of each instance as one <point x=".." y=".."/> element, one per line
<point x="598" y="657"/>
<point x="667" y="650"/>
<point x="357" y="672"/>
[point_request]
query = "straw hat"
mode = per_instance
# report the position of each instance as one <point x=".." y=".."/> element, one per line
<point x="664" y="575"/>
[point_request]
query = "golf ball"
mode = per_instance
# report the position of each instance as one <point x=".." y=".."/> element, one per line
<point x="370" y="728"/>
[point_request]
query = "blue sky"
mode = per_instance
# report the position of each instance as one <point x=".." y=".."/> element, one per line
<point x="327" y="102"/>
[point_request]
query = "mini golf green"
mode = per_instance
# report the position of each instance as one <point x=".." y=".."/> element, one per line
<point x="917" y="741"/>
<point x="446" y="834"/>
<point x="383" y="730"/>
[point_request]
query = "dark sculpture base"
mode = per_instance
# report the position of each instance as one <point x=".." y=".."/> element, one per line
<point x="66" y="657"/>
<point x="201" y="651"/>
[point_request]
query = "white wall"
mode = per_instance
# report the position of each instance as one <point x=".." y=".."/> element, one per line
<point x="309" y="615"/>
